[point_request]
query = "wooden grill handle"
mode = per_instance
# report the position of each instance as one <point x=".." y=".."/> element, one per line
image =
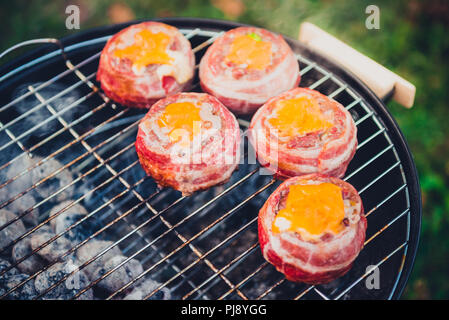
<point x="378" y="78"/>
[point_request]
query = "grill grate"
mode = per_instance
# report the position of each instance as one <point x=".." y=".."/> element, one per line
<point x="199" y="247"/>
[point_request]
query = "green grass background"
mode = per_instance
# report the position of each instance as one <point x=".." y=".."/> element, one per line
<point x="412" y="41"/>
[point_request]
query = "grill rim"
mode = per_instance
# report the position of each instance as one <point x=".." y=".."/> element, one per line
<point x="381" y="111"/>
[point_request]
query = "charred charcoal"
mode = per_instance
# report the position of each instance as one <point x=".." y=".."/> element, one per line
<point x="25" y="292"/>
<point x="11" y="232"/>
<point x="71" y="216"/>
<point x="145" y="288"/>
<point x="52" y="251"/>
<point x="4" y="264"/>
<point x="119" y="277"/>
<point x="32" y="176"/>
<point x="68" y="287"/>
<point x="93" y="248"/>
<point x="22" y="204"/>
<point x="31" y="264"/>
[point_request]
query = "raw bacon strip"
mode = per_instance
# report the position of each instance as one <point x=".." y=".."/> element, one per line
<point x="315" y="260"/>
<point x="204" y="156"/>
<point x="144" y="63"/>
<point x="244" y="85"/>
<point x="326" y="151"/>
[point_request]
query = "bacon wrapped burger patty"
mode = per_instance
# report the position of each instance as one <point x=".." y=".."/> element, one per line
<point x="302" y="131"/>
<point x="312" y="228"/>
<point x="246" y="66"/>
<point x="189" y="141"/>
<point x="144" y="63"/>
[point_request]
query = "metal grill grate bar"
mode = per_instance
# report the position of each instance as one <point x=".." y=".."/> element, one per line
<point x="367" y="273"/>
<point x="14" y="138"/>
<point x="138" y="228"/>
<point x="138" y="196"/>
<point x="51" y="81"/>
<point x="58" y="171"/>
<point x="54" y="135"/>
<point x="30" y="131"/>
<point x="40" y="105"/>
<point x="60" y="234"/>
<point x="73" y="182"/>
<point x="236" y="259"/>
<point x="170" y="229"/>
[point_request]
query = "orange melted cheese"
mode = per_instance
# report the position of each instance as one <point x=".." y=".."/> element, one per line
<point x="256" y="54"/>
<point x="299" y="116"/>
<point x="313" y="208"/>
<point x="148" y="48"/>
<point x="181" y="118"/>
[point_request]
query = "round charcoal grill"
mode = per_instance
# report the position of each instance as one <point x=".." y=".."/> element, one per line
<point x="68" y="142"/>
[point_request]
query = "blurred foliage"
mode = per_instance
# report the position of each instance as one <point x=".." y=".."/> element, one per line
<point x="412" y="41"/>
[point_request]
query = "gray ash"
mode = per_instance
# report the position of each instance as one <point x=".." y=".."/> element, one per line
<point x="71" y="216"/>
<point x="145" y="288"/>
<point x="68" y="288"/>
<point x="35" y="195"/>
<point x="31" y="264"/>
<point x="30" y="178"/>
<point x="25" y="292"/>
<point x="11" y="232"/>
<point x="21" y="205"/>
<point x="4" y="264"/>
<point x="65" y="219"/>
<point x="92" y="249"/>
<point x="119" y="277"/>
<point x="54" y="249"/>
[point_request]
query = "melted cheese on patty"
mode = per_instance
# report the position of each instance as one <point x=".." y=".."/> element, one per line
<point x="148" y="48"/>
<point x="179" y="118"/>
<point x="250" y="51"/>
<point x="299" y="116"/>
<point x="311" y="210"/>
<point x="153" y="48"/>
